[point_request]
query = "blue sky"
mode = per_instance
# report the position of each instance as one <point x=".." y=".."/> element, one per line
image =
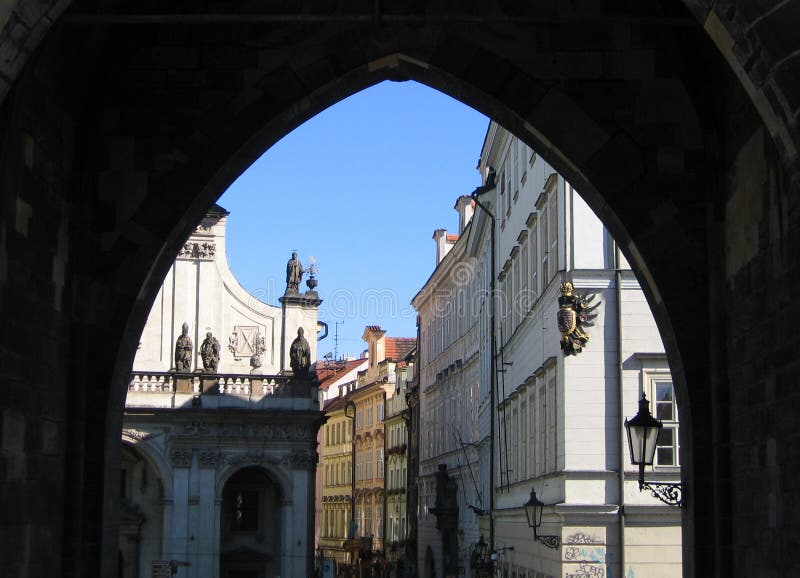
<point x="361" y="188"/>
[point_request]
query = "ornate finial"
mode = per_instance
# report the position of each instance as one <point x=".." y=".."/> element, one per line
<point x="312" y="270"/>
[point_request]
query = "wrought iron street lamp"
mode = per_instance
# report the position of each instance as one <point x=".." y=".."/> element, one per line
<point x="350" y="412"/>
<point x="480" y="561"/>
<point x="533" y="509"/>
<point x="643" y="431"/>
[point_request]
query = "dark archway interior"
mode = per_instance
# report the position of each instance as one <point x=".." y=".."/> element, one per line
<point x="251" y="531"/>
<point x="121" y="122"/>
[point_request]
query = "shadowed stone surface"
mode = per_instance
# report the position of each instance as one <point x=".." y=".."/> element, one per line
<point x="120" y="124"/>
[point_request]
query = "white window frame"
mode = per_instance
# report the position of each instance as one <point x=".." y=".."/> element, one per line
<point x="651" y="380"/>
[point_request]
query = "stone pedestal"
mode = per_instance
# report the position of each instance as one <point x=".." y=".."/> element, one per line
<point x="299" y="310"/>
<point x="184" y="384"/>
<point x="209" y="385"/>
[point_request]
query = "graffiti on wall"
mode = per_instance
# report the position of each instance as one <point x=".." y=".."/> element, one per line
<point x="582" y="538"/>
<point x="584" y="554"/>
<point x="587" y="571"/>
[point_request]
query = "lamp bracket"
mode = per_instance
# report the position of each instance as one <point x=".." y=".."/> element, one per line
<point x="670" y="494"/>
<point x="550" y="541"/>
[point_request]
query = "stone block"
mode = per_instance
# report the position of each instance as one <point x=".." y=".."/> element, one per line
<point x="209" y="385"/>
<point x="184" y="385"/>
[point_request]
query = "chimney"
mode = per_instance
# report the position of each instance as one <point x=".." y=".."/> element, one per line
<point x="466" y="208"/>
<point x="376" y="347"/>
<point x="440" y="238"/>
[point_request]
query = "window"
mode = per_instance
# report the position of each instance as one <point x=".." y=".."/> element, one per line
<point x="514" y="462"/>
<point x="533" y="244"/>
<point x="509" y="189"/>
<point x="523" y="273"/>
<point x="532" y="432"/>
<point x="552" y="215"/>
<point x="368" y="465"/>
<point x="368" y="531"/>
<point x="508" y="196"/>
<point x="513" y="273"/>
<point x="359" y="462"/>
<point x="368" y="420"/>
<point x="507" y="299"/>
<point x="665" y="409"/>
<point x="380" y="411"/>
<point x="552" y="463"/>
<point x="522" y="432"/>
<point x="379" y="456"/>
<point x="516" y="168"/>
<point x="502" y="182"/>
<point x="545" y="235"/>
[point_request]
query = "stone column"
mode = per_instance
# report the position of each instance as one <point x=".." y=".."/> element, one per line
<point x="298" y="311"/>
<point x="304" y="463"/>
<point x="166" y="528"/>
<point x="181" y="460"/>
<point x="207" y="533"/>
<point x="287" y="566"/>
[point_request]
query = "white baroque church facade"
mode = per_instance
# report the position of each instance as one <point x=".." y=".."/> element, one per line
<point x="219" y="438"/>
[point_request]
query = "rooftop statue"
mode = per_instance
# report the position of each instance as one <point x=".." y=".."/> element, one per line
<point x="294" y="274"/>
<point x="300" y="355"/>
<point x="183" y="350"/>
<point x="209" y="352"/>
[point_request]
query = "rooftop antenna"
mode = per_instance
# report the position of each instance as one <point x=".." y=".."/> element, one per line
<point x="336" y="340"/>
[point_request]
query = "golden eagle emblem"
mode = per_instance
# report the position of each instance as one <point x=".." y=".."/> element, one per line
<point x="575" y="312"/>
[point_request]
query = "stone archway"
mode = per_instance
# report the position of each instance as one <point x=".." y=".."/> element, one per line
<point x="141" y="513"/>
<point x="121" y="130"/>
<point x="251" y="538"/>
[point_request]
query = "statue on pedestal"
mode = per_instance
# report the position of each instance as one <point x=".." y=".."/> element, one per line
<point x="183" y="350"/>
<point x="294" y="274"/>
<point x="300" y="355"/>
<point x="209" y="352"/>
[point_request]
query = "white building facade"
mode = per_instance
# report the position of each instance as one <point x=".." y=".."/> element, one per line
<point x="558" y="419"/>
<point x="219" y="458"/>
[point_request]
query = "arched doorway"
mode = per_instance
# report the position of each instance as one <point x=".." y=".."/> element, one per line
<point x="251" y="531"/>
<point x="141" y="514"/>
<point x="117" y="139"/>
<point x="430" y="563"/>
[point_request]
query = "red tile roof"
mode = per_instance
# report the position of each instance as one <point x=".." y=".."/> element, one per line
<point x="334" y="404"/>
<point x="397" y="347"/>
<point x="329" y="371"/>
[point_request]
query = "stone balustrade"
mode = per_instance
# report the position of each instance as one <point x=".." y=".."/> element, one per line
<point x="210" y="384"/>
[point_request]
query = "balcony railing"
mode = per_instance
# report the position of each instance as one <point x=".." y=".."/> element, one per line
<point x="224" y="391"/>
<point x="210" y="383"/>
